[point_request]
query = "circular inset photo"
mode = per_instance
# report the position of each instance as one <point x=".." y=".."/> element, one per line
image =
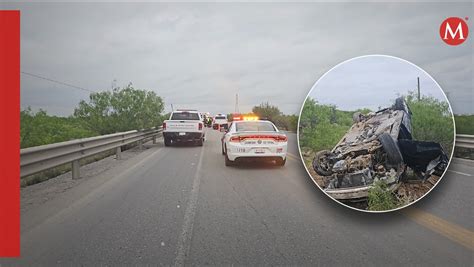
<point x="376" y="133"/>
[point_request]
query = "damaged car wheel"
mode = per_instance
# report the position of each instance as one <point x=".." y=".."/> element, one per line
<point x="390" y="146"/>
<point x="321" y="163"/>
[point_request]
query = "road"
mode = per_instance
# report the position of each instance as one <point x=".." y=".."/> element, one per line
<point x="181" y="205"/>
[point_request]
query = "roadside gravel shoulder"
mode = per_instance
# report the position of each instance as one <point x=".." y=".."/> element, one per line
<point x="59" y="192"/>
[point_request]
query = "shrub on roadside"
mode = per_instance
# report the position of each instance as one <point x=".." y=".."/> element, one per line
<point x="464" y="124"/>
<point x="380" y="198"/>
<point x="431" y="121"/>
<point x="39" y="128"/>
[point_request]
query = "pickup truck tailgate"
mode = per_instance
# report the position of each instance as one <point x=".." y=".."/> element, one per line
<point x="184" y="126"/>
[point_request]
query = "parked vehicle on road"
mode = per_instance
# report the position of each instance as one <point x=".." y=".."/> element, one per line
<point x="208" y="122"/>
<point x="219" y="121"/>
<point x="251" y="140"/>
<point x="207" y="119"/>
<point x="184" y="126"/>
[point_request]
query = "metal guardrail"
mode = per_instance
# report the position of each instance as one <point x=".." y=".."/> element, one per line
<point x="465" y="141"/>
<point x="41" y="158"/>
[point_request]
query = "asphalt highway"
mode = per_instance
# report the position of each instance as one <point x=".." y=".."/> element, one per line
<point x="182" y="206"/>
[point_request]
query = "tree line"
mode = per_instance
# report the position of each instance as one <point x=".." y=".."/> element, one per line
<point x="121" y="109"/>
<point x="267" y="111"/>
<point x="322" y="126"/>
<point x="272" y="113"/>
<point x="129" y="108"/>
<point x="118" y="110"/>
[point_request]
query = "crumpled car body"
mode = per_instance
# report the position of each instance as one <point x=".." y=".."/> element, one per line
<point x="378" y="146"/>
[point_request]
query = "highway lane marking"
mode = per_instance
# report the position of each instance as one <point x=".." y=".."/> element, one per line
<point x="293" y="157"/>
<point x="184" y="239"/>
<point x="462" y="173"/>
<point x="452" y="231"/>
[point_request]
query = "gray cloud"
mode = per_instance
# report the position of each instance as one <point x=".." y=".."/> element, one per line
<point x="200" y="55"/>
<point x="372" y="82"/>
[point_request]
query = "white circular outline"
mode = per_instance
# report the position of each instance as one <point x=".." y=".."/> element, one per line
<point x="392" y="57"/>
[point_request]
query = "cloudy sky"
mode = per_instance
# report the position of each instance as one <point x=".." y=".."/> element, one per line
<point x="372" y="82"/>
<point x="201" y="55"/>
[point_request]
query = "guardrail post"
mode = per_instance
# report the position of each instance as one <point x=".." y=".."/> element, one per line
<point x="118" y="153"/>
<point x="140" y="144"/>
<point x="154" y="139"/>
<point x="75" y="169"/>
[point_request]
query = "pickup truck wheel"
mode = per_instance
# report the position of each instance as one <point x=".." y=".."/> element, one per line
<point x="321" y="164"/>
<point x="200" y="142"/>
<point x="281" y="162"/>
<point x="222" y="148"/>
<point x="167" y="141"/>
<point x="390" y="146"/>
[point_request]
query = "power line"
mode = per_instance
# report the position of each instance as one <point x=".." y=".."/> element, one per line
<point x="59" y="82"/>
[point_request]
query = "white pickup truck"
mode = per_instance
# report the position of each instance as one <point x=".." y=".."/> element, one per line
<point x="183" y="126"/>
<point x="219" y="122"/>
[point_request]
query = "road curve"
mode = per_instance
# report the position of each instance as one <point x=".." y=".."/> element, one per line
<point x="181" y="205"/>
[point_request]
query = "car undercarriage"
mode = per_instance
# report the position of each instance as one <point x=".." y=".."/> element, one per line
<point x="378" y="147"/>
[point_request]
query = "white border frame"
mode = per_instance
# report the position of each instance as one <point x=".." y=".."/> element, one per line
<point x="392" y="57"/>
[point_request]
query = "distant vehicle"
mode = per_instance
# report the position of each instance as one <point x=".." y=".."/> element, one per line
<point x="183" y="126"/>
<point x="254" y="140"/>
<point x="220" y="121"/>
<point x="208" y="122"/>
<point x="378" y="146"/>
<point x="206" y="119"/>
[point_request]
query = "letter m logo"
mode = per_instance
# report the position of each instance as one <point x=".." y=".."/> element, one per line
<point x="453" y="31"/>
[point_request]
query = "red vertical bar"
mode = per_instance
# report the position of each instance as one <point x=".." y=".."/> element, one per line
<point x="10" y="133"/>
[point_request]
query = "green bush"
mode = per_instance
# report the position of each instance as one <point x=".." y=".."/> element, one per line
<point x="464" y="124"/>
<point x="322" y="126"/>
<point x="122" y="109"/>
<point x="106" y="112"/>
<point x="40" y="128"/>
<point x="431" y="121"/>
<point x="267" y="111"/>
<point x="380" y="198"/>
<point x="273" y="113"/>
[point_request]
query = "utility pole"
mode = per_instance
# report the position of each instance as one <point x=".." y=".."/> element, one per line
<point x="237" y="103"/>
<point x="172" y="108"/>
<point x="418" y="79"/>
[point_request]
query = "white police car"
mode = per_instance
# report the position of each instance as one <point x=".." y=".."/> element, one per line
<point x="255" y="139"/>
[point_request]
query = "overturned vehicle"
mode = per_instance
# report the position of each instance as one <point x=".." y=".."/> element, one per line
<point x="378" y="146"/>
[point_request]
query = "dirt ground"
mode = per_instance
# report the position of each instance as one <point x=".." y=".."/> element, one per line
<point x="320" y="181"/>
<point x="414" y="189"/>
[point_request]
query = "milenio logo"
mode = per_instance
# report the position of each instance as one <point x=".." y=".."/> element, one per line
<point x="454" y="30"/>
